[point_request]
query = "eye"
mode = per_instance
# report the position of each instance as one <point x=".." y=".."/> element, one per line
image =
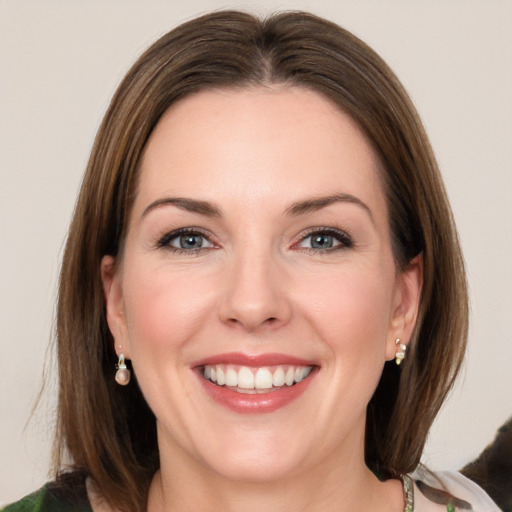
<point x="185" y="240"/>
<point x="325" y="240"/>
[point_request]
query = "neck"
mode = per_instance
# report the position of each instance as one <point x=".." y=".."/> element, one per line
<point x="178" y="487"/>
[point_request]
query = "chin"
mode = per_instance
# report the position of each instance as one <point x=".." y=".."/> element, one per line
<point x="255" y="456"/>
<point x="260" y="469"/>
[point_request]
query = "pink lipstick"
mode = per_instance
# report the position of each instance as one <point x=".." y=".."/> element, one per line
<point x="253" y="384"/>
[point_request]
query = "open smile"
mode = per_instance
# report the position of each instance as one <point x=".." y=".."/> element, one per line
<point x="246" y="379"/>
<point x="257" y="384"/>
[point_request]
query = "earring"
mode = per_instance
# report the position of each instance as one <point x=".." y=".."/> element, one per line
<point x="400" y="351"/>
<point x="123" y="375"/>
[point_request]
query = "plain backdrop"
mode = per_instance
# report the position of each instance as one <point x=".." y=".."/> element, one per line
<point x="60" y="62"/>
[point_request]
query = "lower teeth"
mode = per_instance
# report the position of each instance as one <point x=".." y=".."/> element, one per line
<point x="253" y="391"/>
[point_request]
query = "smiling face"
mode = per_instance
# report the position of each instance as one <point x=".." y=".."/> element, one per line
<point x="257" y="296"/>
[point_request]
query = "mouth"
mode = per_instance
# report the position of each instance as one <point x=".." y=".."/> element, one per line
<point x="255" y="380"/>
<point x="255" y="384"/>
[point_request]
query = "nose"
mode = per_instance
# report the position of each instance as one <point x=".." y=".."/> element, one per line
<point x="255" y="295"/>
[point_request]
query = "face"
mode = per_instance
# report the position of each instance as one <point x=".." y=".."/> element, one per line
<point x="257" y="296"/>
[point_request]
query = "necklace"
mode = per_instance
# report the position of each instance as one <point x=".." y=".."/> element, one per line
<point x="408" y="493"/>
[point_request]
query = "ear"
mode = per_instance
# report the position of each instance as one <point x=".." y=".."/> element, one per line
<point x="406" y="304"/>
<point x="111" y="279"/>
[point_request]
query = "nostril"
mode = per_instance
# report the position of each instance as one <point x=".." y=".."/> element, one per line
<point x="268" y="321"/>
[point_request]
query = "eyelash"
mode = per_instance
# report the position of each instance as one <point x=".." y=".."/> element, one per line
<point x="344" y="239"/>
<point x="164" y="242"/>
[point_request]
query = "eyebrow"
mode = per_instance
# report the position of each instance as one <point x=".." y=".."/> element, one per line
<point x="312" y="205"/>
<point x="295" y="209"/>
<point x="190" y="205"/>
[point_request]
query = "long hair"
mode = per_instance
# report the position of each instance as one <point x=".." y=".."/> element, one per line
<point x="109" y="431"/>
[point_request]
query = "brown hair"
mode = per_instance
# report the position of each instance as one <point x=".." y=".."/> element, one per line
<point x="108" y="430"/>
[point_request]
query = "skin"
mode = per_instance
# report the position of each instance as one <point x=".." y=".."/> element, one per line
<point x="256" y="287"/>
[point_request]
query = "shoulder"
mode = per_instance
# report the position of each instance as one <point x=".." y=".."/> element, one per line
<point x="438" y="487"/>
<point x="67" y="494"/>
<point x="31" y="503"/>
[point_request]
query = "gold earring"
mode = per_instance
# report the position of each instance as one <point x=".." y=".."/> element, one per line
<point x="400" y="351"/>
<point x="123" y="375"/>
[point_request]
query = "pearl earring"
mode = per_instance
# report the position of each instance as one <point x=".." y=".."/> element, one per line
<point x="400" y="351"/>
<point x="123" y="375"/>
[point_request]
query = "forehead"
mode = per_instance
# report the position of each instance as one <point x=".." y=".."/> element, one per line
<point x="258" y="144"/>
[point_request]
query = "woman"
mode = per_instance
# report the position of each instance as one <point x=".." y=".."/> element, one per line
<point x="263" y="238"/>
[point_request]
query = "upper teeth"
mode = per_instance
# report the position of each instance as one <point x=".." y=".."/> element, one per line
<point x="246" y="377"/>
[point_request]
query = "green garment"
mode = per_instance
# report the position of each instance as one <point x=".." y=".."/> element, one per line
<point x="68" y="495"/>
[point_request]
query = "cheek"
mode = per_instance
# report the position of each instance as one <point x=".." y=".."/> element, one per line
<point x="351" y="310"/>
<point x="163" y="309"/>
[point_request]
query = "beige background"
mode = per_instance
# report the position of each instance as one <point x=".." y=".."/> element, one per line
<point x="59" y="65"/>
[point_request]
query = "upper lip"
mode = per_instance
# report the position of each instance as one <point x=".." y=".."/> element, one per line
<point x="256" y="360"/>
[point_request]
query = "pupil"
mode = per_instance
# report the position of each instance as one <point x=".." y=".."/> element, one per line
<point x="322" y="242"/>
<point x="190" y="241"/>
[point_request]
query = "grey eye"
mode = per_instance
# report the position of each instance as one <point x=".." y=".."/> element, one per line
<point x="185" y="240"/>
<point x="322" y="241"/>
<point x="188" y="241"/>
<point x="325" y="240"/>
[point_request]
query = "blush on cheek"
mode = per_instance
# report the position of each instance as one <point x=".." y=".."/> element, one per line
<point x="352" y="321"/>
<point x="161" y="314"/>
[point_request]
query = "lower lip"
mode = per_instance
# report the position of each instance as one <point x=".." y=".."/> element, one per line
<point x="257" y="403"/>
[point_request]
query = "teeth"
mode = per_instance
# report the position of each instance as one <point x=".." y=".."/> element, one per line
<point x="247" y="378"/>
<point x="290" y="376"/>
<point x="278" y="378"/>
<point x="231" y="377"/>
<point x="221" y="378"/>
<point x="263" y="379"/>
